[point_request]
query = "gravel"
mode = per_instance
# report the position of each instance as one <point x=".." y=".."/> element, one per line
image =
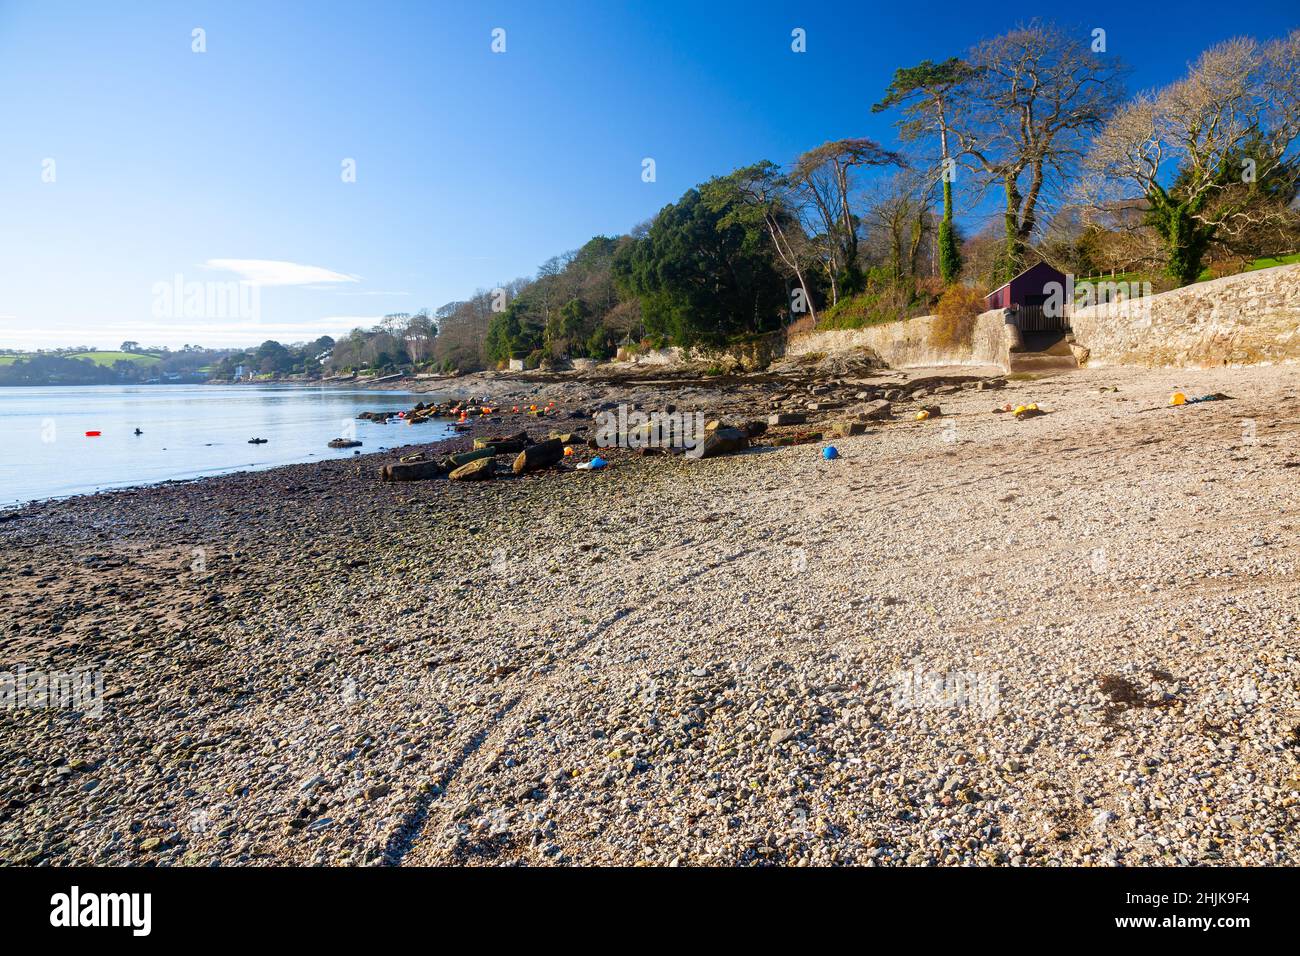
<point x="1069" y="639"/>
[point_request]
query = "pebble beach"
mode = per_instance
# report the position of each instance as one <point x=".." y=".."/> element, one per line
<point x="973" y="639"/>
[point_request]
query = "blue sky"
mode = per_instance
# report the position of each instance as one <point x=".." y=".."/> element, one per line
<point x="471" y="167"/>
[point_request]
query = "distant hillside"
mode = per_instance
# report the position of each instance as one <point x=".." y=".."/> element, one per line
<point x="105" y="359"/>
<point x="105" y="367"/>
<point x="108" y="358"/>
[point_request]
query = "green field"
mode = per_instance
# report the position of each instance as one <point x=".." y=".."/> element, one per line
<point x="99" y="358"/>
<point x="108" y="358"/>
<point x="1267" y="263"/>
<point x="1205" y="275"/>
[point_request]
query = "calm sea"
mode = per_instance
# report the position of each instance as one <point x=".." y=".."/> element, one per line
<point x="187" y="431"/>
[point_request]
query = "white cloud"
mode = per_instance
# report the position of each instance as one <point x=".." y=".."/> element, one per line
<point x="269" y="272"/>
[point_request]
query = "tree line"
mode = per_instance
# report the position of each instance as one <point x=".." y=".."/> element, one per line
<point x="1032" y="131"/>
<point x="1032" y="134"/>
<point x="1031" y="139"/>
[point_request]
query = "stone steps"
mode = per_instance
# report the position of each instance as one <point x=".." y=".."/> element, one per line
<point x="1041" y="362"/>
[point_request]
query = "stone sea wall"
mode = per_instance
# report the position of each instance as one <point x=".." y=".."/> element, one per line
<point x="1247" y="319"/>
<point x="907" y="344"/>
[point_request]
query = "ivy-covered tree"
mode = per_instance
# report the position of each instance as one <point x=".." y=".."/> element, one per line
<point x="1210" y="155"/>
<point x="925" y="92"/>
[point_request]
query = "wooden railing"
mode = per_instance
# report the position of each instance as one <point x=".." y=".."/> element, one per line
<point x="1031" y="318"/>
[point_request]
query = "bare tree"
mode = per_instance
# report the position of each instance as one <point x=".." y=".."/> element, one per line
<point x="900" y="220"/>
<point x="1226" y="133"/>
<point x="1023" y="119"/>
<point x="825" y="177"/>
<point x="419" y="336"/>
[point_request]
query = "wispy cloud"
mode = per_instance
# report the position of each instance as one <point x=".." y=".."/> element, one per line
<point x="271" y="272"/>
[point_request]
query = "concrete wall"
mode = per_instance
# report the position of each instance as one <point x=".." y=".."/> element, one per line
<point x="1246" y="319"/>
<point x="755" y="354"/>
<point x="906" y="344"/>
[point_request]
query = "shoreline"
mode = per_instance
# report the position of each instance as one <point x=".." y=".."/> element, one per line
<point x="122" y="400"/>
<point x="677" y="661"/>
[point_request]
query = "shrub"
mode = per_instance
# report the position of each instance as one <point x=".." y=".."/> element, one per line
<point x="804" y="323"/>
<point x="598" y="346"/>
<point x="958" y="309"/>
<point x="1228" y="266"/>
<point x="890" y="303"/>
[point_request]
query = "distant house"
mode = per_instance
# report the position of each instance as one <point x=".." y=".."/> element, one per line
<point x="1026" y="294"/>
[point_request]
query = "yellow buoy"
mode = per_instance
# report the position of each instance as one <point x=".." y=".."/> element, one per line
<point x="1178" y="398"/>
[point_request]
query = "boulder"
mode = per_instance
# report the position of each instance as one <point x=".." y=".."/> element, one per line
<point x="542" y="455"/>
<point x="878" y="410"/>
<point x="803" y="438"/>
<point x="344" y="443"/>
<point x="846" y="428"/>
<point x="723" y="441"/>
<point x="480" y="469"/>
<point x="413" y="470"/>
<point x="504" y="444"/>
<point x="465" y="457"/>
<point x="753" y="429"/>
<point x="787" y="418"/>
